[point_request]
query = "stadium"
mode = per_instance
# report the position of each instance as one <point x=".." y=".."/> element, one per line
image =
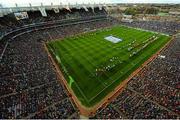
<point x="93" y="61"/>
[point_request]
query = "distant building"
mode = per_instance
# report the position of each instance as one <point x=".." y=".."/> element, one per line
<point x="174" y="13"/>
<point x="127" y="18"/>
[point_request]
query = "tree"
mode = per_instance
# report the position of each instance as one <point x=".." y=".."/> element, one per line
<point x="151" y="11"/>
<point x="130" y="11"/>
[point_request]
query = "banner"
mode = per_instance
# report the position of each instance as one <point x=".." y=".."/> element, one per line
<point x="67" y="8"/>
<point x="100" y="7"/>
<point x="1" y="14"/>
<point x="56" y="10"/>
<point x="92" y="7"/>
<point x="21" y="15"/>
<point x="43" y="12"/>
<point x="85" y="8"/>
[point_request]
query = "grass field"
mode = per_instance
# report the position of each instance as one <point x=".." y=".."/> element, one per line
<point x="93" y="66"/>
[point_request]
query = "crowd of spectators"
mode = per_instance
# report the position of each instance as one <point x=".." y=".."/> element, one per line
<point x="158" y="26"/>
<point x="9" y="23"/>
<point x="160" y="80"/>
<point x="29" y="87"/>
<point x="28" y="83"/>
<point x="152" y="93"/>
<point x="129" y="104"/>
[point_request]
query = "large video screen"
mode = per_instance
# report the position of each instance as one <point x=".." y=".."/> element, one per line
<point x="21" y="15"/>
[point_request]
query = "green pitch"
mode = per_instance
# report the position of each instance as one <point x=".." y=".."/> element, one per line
<point x="93" y="66"/>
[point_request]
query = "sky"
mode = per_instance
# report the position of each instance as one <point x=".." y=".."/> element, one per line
<point x="11" y="3"/>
